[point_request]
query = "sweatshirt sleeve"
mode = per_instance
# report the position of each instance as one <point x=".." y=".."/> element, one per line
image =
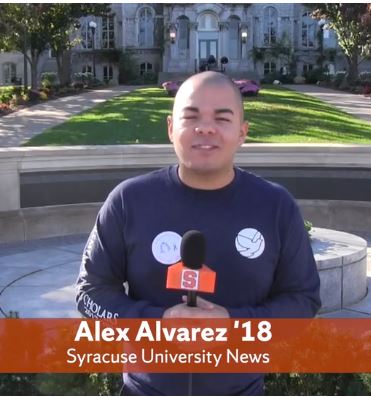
<point x="100" y="291"/>
<point x="295" y="289"/>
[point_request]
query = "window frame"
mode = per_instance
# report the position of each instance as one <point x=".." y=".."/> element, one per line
<point x="10" y="69"/>
<point x="148" y="36"/>
<point x="237" y="20"/>
<point x="306" y="27"/>
<point x="108" y="43"/>
<point x="270" y="26"/>
<point x="270" y="69"/>
<point x="205" y="28"/>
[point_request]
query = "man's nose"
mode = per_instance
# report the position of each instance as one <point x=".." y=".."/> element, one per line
<point x="205" y="128"/>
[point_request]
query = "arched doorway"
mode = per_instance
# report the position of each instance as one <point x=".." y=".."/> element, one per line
<point x="208" y="38"/>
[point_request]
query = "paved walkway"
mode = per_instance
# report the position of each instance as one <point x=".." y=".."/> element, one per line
<point x="355" y="104"/>
<point x="18" y="127"/>
<point x="37" y="279"/>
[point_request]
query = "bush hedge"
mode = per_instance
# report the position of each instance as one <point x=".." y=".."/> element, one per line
<point x="110" y="384"/>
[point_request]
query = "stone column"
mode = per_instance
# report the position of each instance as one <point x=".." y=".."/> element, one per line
<point x="193" y="46"/>
<point x="9" y="182"/>
<point x="223" y="47"/>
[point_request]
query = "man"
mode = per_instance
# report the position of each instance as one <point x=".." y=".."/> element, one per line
<point x="255" y="238"/>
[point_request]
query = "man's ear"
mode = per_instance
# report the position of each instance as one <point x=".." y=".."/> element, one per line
<point x="244" y="130"/>
<point x="170" y="128"/>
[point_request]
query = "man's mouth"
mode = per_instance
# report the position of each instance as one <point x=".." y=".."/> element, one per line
<point x="206" y="147"/>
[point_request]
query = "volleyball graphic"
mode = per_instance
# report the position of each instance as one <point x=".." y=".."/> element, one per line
<point x="250" y="243"/>
<point x="166" y="247"/>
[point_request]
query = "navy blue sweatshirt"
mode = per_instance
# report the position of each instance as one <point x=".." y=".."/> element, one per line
<point x="256" y="242"/>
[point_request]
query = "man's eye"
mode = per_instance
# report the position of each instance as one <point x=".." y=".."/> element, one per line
<point x="189" y="117"/>
<point x="222" y="119"/>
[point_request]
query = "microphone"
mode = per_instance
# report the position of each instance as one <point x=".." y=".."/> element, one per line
<point x="190" y="273"/>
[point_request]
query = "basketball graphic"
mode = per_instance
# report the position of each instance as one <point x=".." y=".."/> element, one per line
<point x="250" y="243"/>
<point x="166" y="247"/>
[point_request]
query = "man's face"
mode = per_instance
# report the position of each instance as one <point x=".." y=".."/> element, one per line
<point x="207" y="127"/>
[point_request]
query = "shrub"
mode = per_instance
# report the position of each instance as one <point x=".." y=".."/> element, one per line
<point x="5" y="109"/>
<point x="85" y="80"/>
<point x="43" y="96"/>
<point x="49" y="79"/>
<point x="6" y="94"/>
<point x="365" y="78"/>
<point x="149" y="78"/>
<point x="299" y="80"/>
<point x="308" y="225"/>
<point x="270" y="78"/>
<point x="78" y="85"/>
<point x="339" y="78"/>
<point x="171" y="87"/>
<point x="317" y="384"/>
<point x="366" y="90"/>
<point x="314" y="76"/>
<point x="127" y="67"/>
<point x="34" y="95"/>
<point x="110" y="384"/>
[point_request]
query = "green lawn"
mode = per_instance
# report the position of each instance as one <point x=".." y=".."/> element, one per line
<point x="276" y="115"/>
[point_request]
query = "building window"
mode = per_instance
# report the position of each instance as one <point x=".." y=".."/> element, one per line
<point x="87" y="69"/>
<point x="285" y="28"/>
<point x="9" y="73"/>
<point x="145" y="67"/>
<point x="308" y="30"/>
<point x="146" y="27"/>
<point x="108" y="32"/>
<point x="107" y="73"/>
<point x="86" y="35"/>
<point x="307" y="68"/>
<point x="256" y="32"/>
<point x="269" y="67"/>
<point x="207" y="21"/>
<point x="270" y="26"/>
<point x="234" y="37"/>
<point x="183" y="33"/>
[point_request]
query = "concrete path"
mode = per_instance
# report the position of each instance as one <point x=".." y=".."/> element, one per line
<point x="354" y="104"/>
<point x="37" y="279"/>
<point x="18" y="127"/>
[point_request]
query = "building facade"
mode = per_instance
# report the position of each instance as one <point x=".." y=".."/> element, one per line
<point x="179" y="39"/>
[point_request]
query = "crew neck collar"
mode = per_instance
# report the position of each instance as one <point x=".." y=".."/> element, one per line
<point x="174" y="176"/>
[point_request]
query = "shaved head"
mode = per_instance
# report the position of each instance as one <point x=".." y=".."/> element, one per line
<point x="209" y="78"/>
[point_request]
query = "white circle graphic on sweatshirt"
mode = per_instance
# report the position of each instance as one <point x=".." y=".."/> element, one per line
<point x="250" y="243"/>
<point x="166" y="247"/>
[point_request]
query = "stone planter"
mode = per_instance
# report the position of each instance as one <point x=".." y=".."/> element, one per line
<point x="342" y="264"/>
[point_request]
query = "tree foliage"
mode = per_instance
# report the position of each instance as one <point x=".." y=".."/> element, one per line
<point x="352" y="24"/>
<point x="32" y="28"/>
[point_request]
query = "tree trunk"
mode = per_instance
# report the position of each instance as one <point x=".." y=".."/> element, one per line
<point x="64" y="67"/>
<point x="34" y="61"/>
<point x="353" y="67"/>
<point x="58" y="58"/>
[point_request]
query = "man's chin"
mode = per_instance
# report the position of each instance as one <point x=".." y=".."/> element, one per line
<point x="206" y="170"/>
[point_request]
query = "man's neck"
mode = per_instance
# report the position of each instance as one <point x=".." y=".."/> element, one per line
<point x="207" y="180"/>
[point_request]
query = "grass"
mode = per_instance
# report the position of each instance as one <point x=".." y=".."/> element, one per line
<point x="277" y="115"/>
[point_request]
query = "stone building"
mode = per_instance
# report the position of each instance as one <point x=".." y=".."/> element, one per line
<point x="176" y="40"/>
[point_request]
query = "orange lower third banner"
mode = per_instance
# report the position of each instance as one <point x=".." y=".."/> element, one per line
<point x="192" y="345"/>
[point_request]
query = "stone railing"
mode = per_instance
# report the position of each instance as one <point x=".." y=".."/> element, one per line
<point x="18" y="164"/>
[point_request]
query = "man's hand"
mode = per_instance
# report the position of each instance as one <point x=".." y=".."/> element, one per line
<point x="204" y="309"/>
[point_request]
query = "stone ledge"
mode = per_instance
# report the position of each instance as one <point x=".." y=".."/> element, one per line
<point x="86" y="157"/>
<point x="46" y="222"/>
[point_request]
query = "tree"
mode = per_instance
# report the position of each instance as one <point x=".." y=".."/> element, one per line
<point x="64" y="21"/>
<point x="22" y="28"/>
<point x="352" y="24"/>
<point x="33" y="28"/>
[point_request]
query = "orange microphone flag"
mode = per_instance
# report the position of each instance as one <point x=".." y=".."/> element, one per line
<point x="183" y="278"/>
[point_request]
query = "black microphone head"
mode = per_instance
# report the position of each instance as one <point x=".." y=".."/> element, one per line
<point x="192" y="249"/>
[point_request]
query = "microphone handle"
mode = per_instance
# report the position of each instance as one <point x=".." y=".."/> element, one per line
<point x="192" y="298"/>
